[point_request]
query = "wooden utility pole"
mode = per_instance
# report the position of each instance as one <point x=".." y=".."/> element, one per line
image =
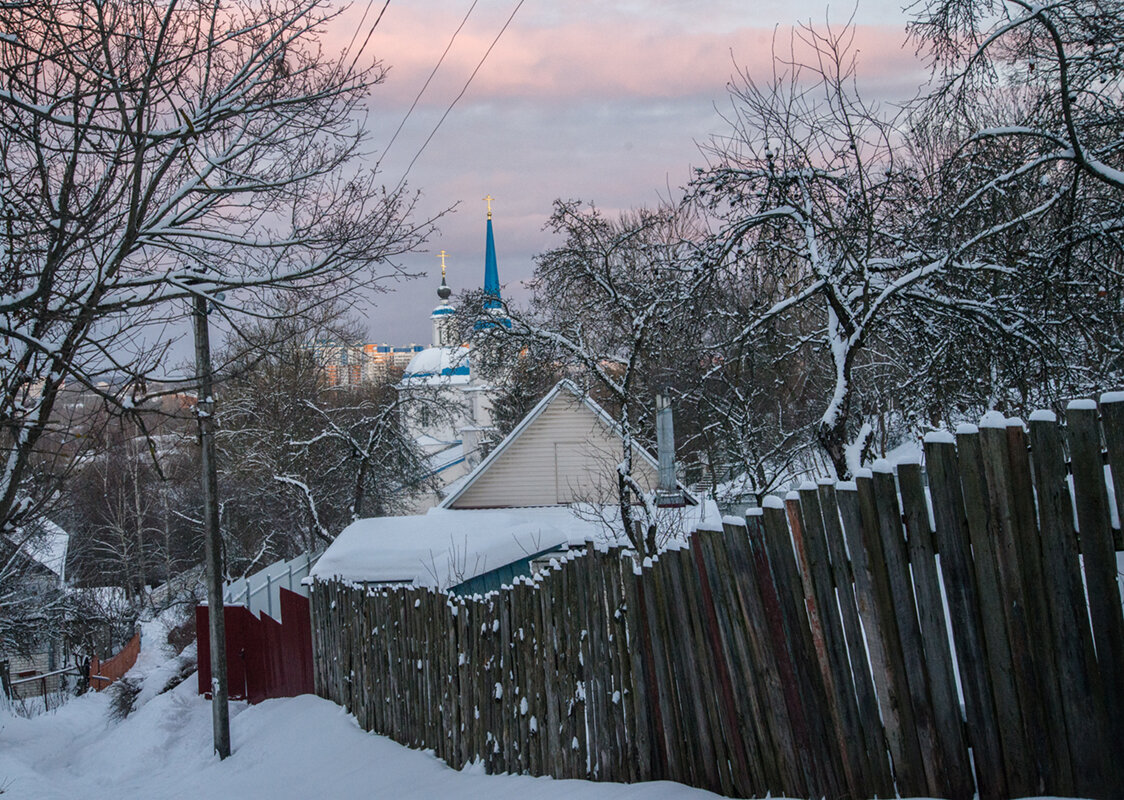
<point x="204" y="412"/>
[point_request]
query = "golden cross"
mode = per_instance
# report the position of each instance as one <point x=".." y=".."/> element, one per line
<point x="442" y="254"/>
<point x="489" y="198"/>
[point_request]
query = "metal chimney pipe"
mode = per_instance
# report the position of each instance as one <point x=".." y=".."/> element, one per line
<point x="667" y="492"/>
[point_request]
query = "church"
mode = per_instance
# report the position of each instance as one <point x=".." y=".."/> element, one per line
<point x="450" y="409"/>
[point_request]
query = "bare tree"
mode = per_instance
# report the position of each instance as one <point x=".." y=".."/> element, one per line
<point x="154" y="151"/>
<point x="130" y="502"/>
<point x="817" y="200"/>
<point x="304" y="458"/>
<point x="1028" y="96"/>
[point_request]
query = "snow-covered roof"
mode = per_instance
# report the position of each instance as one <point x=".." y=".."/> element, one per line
<point x="562" y="385"/>
<point x="445" y="458"/>
<point x="444" y="547"/>
<point x="47" y="547"/>
<point x="444" y="364"/>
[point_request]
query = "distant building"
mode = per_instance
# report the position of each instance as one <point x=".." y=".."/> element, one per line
<point x="451" y="419"/>
<point x="38" y="557"/>
<point x="355" y="364"/>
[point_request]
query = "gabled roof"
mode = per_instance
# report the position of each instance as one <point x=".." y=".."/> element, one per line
<point x="564" y="385"/>
<point x="47" y="546"/>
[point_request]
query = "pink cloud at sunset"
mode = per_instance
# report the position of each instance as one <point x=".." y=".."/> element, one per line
<point x="607" y="102"/>
<point x="591" y="60"/>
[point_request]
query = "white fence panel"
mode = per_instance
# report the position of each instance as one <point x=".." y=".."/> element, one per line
<point x="261" y="592"/>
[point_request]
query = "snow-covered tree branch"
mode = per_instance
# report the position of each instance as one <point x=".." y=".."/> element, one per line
<point x="151" y="151"/>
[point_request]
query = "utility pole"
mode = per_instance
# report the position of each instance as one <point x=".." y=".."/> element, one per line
<point x="204" y="412"/>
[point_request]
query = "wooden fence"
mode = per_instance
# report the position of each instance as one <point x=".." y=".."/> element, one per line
<point x="819" y="647"/>
<point x="104" y="673"/>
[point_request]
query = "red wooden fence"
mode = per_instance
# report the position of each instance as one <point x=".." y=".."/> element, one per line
<point x="264" y="658"/>
<point x="103" y="673"/>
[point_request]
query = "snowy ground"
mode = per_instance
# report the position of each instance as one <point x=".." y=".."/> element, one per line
<point x="301" y="747"/>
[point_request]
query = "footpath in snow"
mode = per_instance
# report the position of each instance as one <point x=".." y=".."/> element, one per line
<point x="301" y="747"/>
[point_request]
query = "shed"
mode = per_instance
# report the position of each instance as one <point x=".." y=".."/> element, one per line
<point x="460" y="551"/>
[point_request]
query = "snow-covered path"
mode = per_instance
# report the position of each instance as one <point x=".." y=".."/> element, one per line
<point x="301" y="747"/>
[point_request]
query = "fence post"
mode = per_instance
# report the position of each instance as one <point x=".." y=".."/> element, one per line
<point x="1099" y="555"/>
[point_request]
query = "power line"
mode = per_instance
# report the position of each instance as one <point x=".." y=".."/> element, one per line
<point x="463" y="90"/>
<point x="425" y="86"/>
<point x="370" y="31"/>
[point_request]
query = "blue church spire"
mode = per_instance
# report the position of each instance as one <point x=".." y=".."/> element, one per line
<point x="491" y="269"/>
<point x="493" y="305"/>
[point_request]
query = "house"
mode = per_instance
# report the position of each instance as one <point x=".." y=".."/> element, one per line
<point x="551" y="484"/>
<point x="36" y="571"/>
<point x="566" y="450"/>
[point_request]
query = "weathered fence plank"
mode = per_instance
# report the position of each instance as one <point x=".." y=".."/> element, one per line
<point x="897" y="592"/>
<point x="1082" y="693"/>
<point x="1043" y="649"/>
<point x="774" y="598"/>
<point x="963" y="603"/>
<point x="1001" y="527"/>
<point x="880" y="777"/>
<point x="861" y="525"/>
<point x="831" y="647"/>
<point x="1112" y="421"/>
<point x="1020" y="771"/>
<point x="956" y="777"/>
<point x="806" y="652"/>
<point x="782" y="761"/>
<point x="1098" y="554"/>
<point x="727" y="652"/>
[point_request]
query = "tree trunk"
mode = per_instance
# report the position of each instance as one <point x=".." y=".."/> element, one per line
<point x="631" y="530"/>
<point x="833" y="439"/>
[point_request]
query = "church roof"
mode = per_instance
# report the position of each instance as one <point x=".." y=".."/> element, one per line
<point x="445" y="364"/>
<point x="491" y="270"/>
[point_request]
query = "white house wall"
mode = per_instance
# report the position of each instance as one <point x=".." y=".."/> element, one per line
<point x="567" y="454"/>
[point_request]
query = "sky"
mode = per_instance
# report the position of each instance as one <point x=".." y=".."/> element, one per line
<point x="605" y="102"/>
